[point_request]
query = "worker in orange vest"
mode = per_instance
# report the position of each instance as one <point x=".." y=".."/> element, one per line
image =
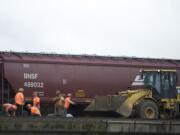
<point x="36" y="100"/>
<point x="19" y="101"/>
<point x="58" y="104"/>
<point x="67" y="103"/>
<point x="9" y="109"/>
<point x="34" y="110"/>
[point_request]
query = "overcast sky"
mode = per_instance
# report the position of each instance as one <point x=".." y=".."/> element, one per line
<point x="141" y="28"/>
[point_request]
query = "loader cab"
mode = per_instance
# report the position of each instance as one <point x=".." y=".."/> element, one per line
<point x="161" y="82"/>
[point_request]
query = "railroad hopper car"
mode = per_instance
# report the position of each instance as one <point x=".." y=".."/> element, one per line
<point x="84" y="76"/>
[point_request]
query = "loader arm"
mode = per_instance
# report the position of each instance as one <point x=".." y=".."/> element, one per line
<point x="126" y="107"/>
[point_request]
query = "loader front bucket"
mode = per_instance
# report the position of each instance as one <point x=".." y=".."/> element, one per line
<point x="106" y="103"/>
<point x="126" y="108"/>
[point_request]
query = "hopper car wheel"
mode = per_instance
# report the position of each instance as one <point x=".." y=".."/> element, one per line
<point x="148" y="110"/>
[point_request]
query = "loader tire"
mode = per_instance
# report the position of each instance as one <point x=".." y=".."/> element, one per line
<point x="148" y="110"/>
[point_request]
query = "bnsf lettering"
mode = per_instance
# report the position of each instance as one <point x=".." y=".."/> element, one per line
<point x="34" y="84"/>
<point x="30" y="76"/>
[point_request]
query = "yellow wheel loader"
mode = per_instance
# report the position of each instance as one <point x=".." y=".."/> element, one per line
<point x="158" y="96"/>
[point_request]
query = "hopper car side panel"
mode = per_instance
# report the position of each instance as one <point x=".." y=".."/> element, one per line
<point x="47" y="78"/>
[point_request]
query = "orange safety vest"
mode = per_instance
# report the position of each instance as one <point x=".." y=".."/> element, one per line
<point x="67" y="103"/>
<point x="36" y="101"/>
<point x="19" y="98"/>
<point x="35" y="110"/>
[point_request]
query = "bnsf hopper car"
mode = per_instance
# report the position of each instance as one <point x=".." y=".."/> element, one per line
<point x="82" y="75"/>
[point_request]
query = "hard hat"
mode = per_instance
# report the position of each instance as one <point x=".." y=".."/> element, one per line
<point x="58" y="92"/>
<point x="14" y="107"/>
<point x="69" y="94"/>
<point x="21" y="89"/>
<point x="28" y="105"/>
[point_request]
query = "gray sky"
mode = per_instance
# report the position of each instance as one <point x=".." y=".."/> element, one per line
<point x="141" y="28"/>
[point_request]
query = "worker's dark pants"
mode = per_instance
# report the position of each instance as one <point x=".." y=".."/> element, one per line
<point x="35" y="115"/>
<point x="65" y="112"/>
<point x="9" y="113"/>
<point x="19" y="111"/>
<point x="59" y="111"/>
